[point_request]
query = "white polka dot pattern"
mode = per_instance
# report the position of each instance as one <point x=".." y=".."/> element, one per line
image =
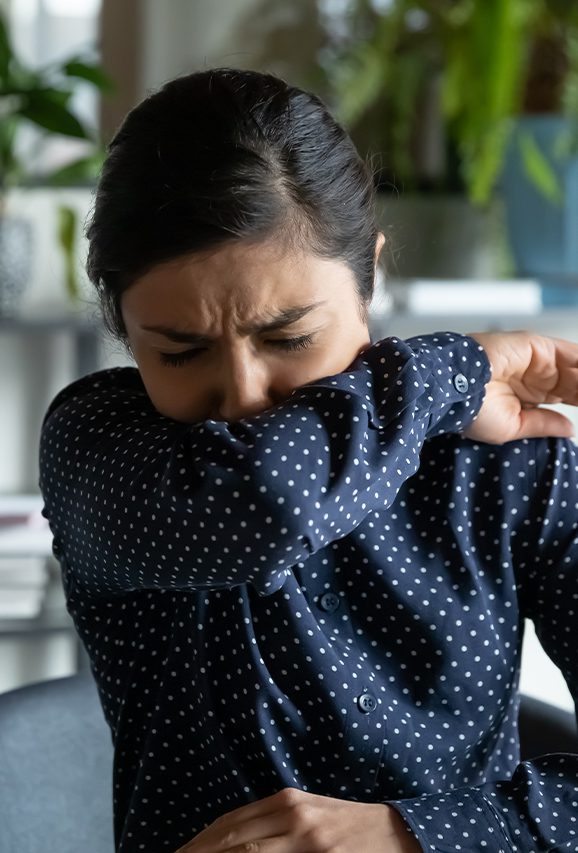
<point x="287" y="601"/>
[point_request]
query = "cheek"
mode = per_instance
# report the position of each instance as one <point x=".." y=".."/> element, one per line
<point x="335" y="356"/>
<point x="173" y="393"/>
<point x="340" y="350"/>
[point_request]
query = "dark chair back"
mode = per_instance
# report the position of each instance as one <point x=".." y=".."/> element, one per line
<point x="544" y="728"/>
<point x="56" y="759"/>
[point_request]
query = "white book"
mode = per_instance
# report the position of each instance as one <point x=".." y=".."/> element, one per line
<point x="24" y="540"/>
<point x="20" y="604"/>
<point x="26" y="572"/>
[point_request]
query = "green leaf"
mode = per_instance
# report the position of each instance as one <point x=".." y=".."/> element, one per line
<point x="361" y="80"/>
<point x="10" y="167"/>
<point x="89" y="72"/>
<point x="361" y="73"/>
<point x="539" y="170"/>
<point x="453" y="97"/>
<point x="482" y="167"/>
<point x="36" y="91"/>
<point x="6" y="54"/>
<point x="407" y="79"/>
<point x="51" y="95"/>
<point x="49" y="113"/>
<point x="568" y="144"/>
<point x="12" y="73"/>
<point x="81" y="171"/>
<point x="487" y="58"/>
<point x="67" y="221"/>
<point x="42" y="96"/>
<point x="19" y="80"/>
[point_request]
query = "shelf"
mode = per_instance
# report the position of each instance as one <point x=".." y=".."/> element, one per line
<point x="478" y="321"/>
<point x="47" y="622"/>
<point x="87" y="329"/>
<point x="51" y="323"/>
<point x="53" y="616"/>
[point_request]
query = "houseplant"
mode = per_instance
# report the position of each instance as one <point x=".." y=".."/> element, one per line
<point x="439" y="86"/>
<point x="40" y="98"/>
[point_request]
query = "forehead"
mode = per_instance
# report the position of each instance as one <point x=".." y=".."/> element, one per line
<point x="239" y="279"/>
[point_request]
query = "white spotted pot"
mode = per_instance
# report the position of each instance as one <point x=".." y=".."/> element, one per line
<point x="15" y="263"/>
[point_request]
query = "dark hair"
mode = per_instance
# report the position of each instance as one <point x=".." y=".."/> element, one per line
<point x="227" y="154"/>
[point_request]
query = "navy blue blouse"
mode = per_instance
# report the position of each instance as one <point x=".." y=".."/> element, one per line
<point x="329" y="596"/>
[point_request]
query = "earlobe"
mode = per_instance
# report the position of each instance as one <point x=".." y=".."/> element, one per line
<point x="379" y="243"/>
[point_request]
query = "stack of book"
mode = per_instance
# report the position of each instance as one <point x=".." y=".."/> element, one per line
<point x="25" y="544"/>
<point x="447" y="297"/>
<point x="475" y="296"/>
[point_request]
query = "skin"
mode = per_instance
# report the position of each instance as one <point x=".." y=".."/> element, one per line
<point x="294" y="821"/>
<point x="237" y="372"/>
<point x="528" y="372"/>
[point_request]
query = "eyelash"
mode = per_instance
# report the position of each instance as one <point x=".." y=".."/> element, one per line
<point x="176" y="359"/>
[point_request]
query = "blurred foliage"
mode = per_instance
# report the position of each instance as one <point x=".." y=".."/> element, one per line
<point x="485" y="62"/>
<point x="41" y="97"/>
<point x="67" y="226"/>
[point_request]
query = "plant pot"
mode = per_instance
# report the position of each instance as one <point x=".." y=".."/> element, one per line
<point x="15" y="263"/>
<point x="441" y="236"/>
<point x="543" y="235"/>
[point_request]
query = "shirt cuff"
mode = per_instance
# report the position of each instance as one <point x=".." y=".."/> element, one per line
<point x="460" y="371"/>
<point x="457" y="821"/>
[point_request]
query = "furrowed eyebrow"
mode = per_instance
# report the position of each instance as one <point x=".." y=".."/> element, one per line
<point x="279" y="321"/>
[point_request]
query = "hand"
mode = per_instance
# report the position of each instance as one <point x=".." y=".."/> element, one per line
<point x="293" y="821"/>
<point x="527" y="370"/>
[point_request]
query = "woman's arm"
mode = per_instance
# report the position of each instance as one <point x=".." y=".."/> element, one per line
<point x="137" y="500"/>
<point x="536" y="809"/>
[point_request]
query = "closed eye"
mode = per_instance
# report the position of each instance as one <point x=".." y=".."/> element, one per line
<point x="293" y="343"/>
<point x="175" y="359"/>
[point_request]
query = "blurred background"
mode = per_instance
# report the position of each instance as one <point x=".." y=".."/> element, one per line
<point x="467" y="111"/>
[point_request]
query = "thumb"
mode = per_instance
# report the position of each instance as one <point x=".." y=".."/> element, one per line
<point x="538" y="423"/>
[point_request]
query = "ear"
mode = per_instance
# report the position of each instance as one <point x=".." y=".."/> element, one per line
<point x="379" y="243"/>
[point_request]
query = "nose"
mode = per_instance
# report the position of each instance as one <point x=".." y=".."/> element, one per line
<point x="244" y="388"/>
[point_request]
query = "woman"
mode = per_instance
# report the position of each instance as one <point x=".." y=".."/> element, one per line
<point x="299" y="577"/>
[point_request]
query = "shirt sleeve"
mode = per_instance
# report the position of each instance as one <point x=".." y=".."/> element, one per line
<point x="537" y="809"/>
<point x="137" y="500"/>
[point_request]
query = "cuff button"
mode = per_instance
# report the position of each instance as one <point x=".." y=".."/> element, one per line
<point x="461" y="383"/>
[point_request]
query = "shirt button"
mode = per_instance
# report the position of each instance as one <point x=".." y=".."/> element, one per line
<point x="367" y="703"/>
<point x="461" y="383"/>
<point x="329" y="602"/>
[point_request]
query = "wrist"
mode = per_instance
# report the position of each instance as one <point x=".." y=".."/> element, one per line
<point x="398" y="830"/>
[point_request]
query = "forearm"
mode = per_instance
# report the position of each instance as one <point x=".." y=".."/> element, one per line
<point x="251" y="499"/>
<point x="535" y="810"/>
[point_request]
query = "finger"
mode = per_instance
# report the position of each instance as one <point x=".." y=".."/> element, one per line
<point x="268" y="844"/>
<point x="260" y="808"/>
<point x="567" y="386"/>
<point x="567" y="352"/>
<point x="539" y="423"/>
<point x="278" y="844"/>
<point x="227" y="835"/>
